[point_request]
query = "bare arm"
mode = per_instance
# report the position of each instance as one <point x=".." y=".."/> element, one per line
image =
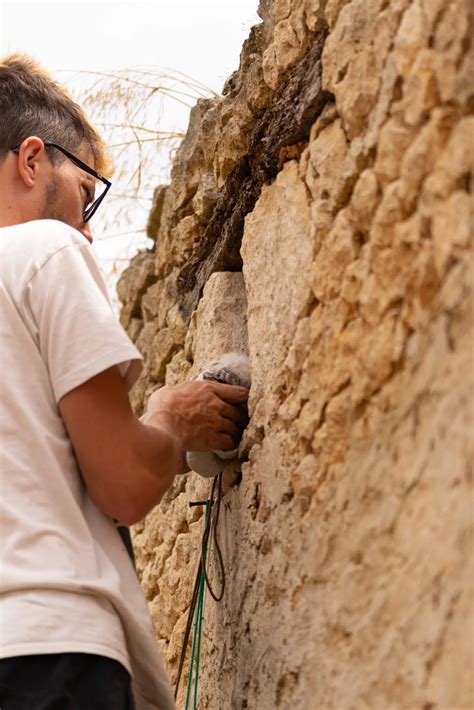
<point x="128" y="464"/>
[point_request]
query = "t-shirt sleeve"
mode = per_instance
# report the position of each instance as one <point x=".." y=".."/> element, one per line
<point x="78" y="333"/>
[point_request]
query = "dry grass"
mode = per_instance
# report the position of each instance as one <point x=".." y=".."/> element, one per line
<point x="131" y="107"/>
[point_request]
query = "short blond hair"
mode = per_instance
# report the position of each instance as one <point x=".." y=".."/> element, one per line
<point x="32" y="103"/>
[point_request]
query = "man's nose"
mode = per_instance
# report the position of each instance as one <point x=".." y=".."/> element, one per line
<point x="85" y="230"/>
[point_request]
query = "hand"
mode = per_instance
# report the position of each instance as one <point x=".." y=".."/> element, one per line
<point x="201" y="415"/>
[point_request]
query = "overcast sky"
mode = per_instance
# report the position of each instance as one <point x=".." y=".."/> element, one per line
<point x="202" y="39"/>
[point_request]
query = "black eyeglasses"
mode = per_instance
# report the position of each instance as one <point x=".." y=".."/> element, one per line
<point x="91" y="208"/>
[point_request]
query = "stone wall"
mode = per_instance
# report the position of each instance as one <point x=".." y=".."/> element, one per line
<point x="318" y="218"/>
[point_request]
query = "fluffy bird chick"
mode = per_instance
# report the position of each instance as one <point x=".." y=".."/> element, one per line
<point x="230" y="369"/>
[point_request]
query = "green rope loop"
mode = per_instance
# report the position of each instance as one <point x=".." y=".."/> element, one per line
<point x="196" y="607"/>
<point x="197" y="634"/>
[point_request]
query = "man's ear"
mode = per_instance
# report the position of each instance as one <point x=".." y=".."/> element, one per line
<point x="31" y="155"/>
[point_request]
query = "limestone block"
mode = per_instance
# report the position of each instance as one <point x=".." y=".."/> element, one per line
<point x="209" y="135"/>
<point x="389" y="213"/>
<point x="364" y="200"/>
<point x="332" y="168"/>
<point x="205" y="198"/>
<point x="332" y="10"/>
<point x="232" y="146"/>
<point x="280" y="10"/>
<point x="336" y="253"/>
<point x="315" y="16"/>
<point x="154" y="304"/>
<point x="394" y="140"/>
<point x="220" y="322"/>
<point x="183" y="237"/>
<point x="257" y="94"/>
<point x="276" y="298"/>
<point x="451" y="226"/>
<point x="463" y="89"/>
<point x="284" y="51"/>
<point x="158" y="345"/>
<point x="450" y="38"/>
<point x="351" y="68"/>
<point x="156" y="213"/>
<point x="288" y="38"/>
<point x="432" y="10"/>
<point x="421" y="92"/>
<point x="173" y="248"/>
<point x="457" y="158"/>
<point x="412" y="36"/>
<point x="187" y="166"/>
<point x="247" y="84"/>
<point x="134" y="328"/>
<point x="178" y="369"/>
<point x="133" y="283"/>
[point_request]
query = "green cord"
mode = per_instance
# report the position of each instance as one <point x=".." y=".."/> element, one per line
<point x="196" y="644"/>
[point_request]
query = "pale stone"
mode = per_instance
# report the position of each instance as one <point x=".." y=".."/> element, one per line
<point x="133" y="330"/>
<point x="451" y="36"/>
<point x="394" y="139"/>
<point x="284" y="51"/>
<point x="451" y="226"/>
<point x="432" y="10"/>
<point x="178" y="369"/>
<point x="421" y="92"/>
<point x="351" y="69"/>
<point x="332" y="10"/>
<point x="154" y="304"/>
<point x="412" y="36"/>
<point x="315" y="15"/>
<point x="174" y="250"/>
<point x="419" y="160"/>
<point x="232" y="146"/>
<point x="186" y="168"/>
<point x="336" y="253"/>
<point x="273" y="302"/>
<point x="133" y="283"/>
<point x="158" y="346"/>
<point x="220" y="319"/>
<point x="156" y="213"/>
<point x="364" y="200"/>
<point x="205" y="198"/>
<point x="331" y="169"/>
<point x="281" y="10"/>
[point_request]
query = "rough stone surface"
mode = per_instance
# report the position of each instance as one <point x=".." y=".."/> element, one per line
<point x="284" y="124"/>
<point x="345" y="271"/>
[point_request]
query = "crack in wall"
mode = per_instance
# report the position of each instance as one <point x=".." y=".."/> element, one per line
<point x="288" y="120"/>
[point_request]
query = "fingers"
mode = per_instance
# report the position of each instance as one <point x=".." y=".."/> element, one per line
<point x="207" y="415"/>
<point x="229" y="393"/>
<point x="236" y="414"/>
<point x="222" y="441"/>
<point x="230" y="427"/>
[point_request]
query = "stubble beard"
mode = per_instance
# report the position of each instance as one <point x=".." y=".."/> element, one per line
<point x="51" y="206"/>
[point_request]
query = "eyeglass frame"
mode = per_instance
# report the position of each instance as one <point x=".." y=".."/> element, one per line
<point x="92" y="209"/>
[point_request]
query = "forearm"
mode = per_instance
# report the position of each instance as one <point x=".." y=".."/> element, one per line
<point x="135" y="472"/>
<point x="156" y="457"/>
<point x="134" y="464"/>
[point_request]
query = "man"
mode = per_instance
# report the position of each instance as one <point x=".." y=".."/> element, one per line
<point x="74" y="624"/>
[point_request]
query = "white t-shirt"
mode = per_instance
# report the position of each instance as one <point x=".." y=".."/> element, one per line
<point x="67" y="583"/>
